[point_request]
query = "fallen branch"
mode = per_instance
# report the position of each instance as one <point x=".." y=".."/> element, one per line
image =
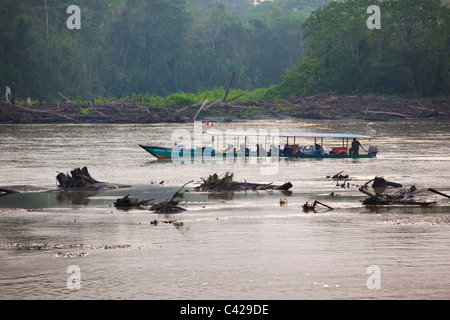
<point x="339" y="176"/>
<point x="439" y="193"/>
<point x="214" y="183"/>
<point x="307" y="207"/>
<point x="67" y="99"/>
<point x="201" y="108"/>
<point x="170" y="206"/>
<point x="402" y="197"/>
<point x="127" y="202"/>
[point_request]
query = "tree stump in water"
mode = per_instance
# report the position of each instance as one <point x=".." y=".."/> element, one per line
<point x="77" y="179"/>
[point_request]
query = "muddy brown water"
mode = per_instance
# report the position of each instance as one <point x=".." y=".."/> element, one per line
<point x="225" y="246"/>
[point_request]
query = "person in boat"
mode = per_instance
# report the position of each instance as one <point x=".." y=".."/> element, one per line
<point x="355" y="147"/>
<point x="244" y="149"/>
<point x="299" y="150"/>
<point x="286" y="150"/>
<point x="318" y="149"/>
<point x="230" y="148"/>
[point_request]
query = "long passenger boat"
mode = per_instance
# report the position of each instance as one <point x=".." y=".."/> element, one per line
<point x="292" y="149"/>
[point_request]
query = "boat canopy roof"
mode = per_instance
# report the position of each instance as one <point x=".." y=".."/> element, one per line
<point x="285" y="134"/>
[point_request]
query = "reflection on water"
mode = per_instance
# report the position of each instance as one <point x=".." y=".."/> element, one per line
<point x="240" y="245"/>
<point x="75" y="197"/>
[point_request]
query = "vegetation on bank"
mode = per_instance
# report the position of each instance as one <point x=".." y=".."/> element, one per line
<point x="139" y="46"/>
<point x="408" y="56"/>
<point x="144" y="51"/>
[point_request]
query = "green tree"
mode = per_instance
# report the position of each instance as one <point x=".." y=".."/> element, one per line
<point x="408" y="56"/>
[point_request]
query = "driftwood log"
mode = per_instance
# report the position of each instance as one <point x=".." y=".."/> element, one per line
<point x="214" y="183"/>
<point x="81" y="179"/>
<point x="127" y="202"/>
<point x="5" y="190"/>
<point x="439" y="193"/>
<point x="171" y="205"/>
<point x="339" y="176"/>
<point x="307" y="207"/>
<point x="404" y="196"/>
<point x="77" y="179"/>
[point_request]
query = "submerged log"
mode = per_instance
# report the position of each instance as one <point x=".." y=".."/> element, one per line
<point x="339" y="176"/>
<point x="6" y="190"/>
<point x="171" y="205"/>
<point x="405" y="197"/>
<point x="307" y="207"/>
<point x="439" y="193"/>
<point x="214" y="183"/>
<point x="127" y="202"/>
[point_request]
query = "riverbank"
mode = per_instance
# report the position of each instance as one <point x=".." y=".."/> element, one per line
<point x="320" y="107"/>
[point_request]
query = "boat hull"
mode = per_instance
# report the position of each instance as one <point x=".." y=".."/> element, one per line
<point x="166" y="154"/>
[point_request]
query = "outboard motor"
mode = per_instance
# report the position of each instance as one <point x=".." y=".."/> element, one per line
<point x="373" y="150"/>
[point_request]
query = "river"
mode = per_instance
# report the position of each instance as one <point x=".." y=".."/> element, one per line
<point x="225" y="246"/>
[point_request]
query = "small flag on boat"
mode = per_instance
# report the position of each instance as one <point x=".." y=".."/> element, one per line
<point x="373" y="130"/>
<point x="209" y="124"/>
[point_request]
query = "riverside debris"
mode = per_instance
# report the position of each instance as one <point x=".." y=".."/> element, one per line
<point x="171" y="205"/>
<point x="214" y="183"/>
<point x="307" y="207"/>
<point x="127" y="202"/>
<point x="81" y="179"/>
<point x="404" y="196"/>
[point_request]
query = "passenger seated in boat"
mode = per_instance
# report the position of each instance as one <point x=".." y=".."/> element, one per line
<point x="244" y="149"/>
<point x="318" y="149"/>
<point x="300" y="150"/>
<point x="286" y="149"/>
<point x="230" y="148"/>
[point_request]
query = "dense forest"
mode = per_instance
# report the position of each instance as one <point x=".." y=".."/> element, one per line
<point x="408" y="56"/>
<point x="159" y="47"/>
<point x="140" y="46"/>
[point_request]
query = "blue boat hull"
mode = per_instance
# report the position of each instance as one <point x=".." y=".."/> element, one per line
<point x="166" y="154"/>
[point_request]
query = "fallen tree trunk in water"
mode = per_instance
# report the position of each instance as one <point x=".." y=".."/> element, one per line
<point x="339" y="176"/>
<point x="403" y="197"/>
<point x="439" y="193"/>
<point x="81" y="179"/>
<point x="20" y="189"/>
<point x="171" y="205"/>
<point x="127" y="202"/>
<point x="312" y="207"/>
<point x="214" y="183"/>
